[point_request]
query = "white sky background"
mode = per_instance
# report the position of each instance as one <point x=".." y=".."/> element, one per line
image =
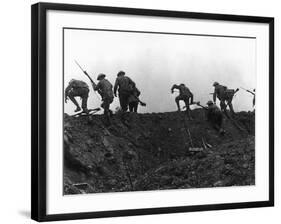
<point x="157" y="61"/>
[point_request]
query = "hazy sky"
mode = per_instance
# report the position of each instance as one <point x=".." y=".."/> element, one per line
<point x="157" y="61"/>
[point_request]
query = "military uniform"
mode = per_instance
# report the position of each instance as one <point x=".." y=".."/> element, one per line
<point x="215" y="116"/>
<point x="125" y="87"/>
<point x="185" y="95"/>
<point x="133" y="100"/>
<point x="225" y="96"/>
<point x="77" y="88"/>
<point x="104" y="87"/>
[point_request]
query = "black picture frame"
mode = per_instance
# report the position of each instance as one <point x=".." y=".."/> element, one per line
<point x="39" y="122"/>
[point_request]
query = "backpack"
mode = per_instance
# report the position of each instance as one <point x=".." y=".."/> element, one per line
<point x="126" y="85"/>
<point x="78" y="84"/>
<point x="185" y="91"/>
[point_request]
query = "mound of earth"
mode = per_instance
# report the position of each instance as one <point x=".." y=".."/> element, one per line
<point x="156" y="151"/>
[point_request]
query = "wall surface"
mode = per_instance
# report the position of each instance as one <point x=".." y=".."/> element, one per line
<point x="15" y="110"/>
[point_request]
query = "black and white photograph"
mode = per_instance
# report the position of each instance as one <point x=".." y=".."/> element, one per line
<point x="140" y="111"/>
<point x="147" y="111"/>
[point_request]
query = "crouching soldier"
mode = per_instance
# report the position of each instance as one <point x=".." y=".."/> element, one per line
<point x="77" y="88"/>
<point x="134" y="100"/>
<point x="225" y="96"/>
<point x="104" y="88"/>
<point x="215" y="117"/>
<point x="184" y="95"/>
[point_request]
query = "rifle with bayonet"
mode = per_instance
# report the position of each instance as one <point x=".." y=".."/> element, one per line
<point x="92" y="81"/>
<point x="249" y="91"/>
<point x="85" y="72"/>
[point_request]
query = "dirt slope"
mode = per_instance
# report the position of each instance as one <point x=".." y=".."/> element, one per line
<point x="151" y="151"/>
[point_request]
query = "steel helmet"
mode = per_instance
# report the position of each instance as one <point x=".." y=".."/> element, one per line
<point x="100" y="76"/>
<point x="121" y="73"/>
<point x="210" y="102"/>
<point x="215" y="84"/>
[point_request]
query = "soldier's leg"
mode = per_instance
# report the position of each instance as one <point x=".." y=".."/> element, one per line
<point x="223" y="108"/>
<point x="177" y="99"/>
<point x="231" y="107"/>
<point x="106" y="108"/>
<point x="121" y="101"/>
<point x="131" y="107"/>
<point x="71" y="96"/>
<point x="110" y="100"/>
<point x="186" y="101"/>
<point x="123" y="98"/>
<point x="223" y="105"/>
<point x="85" y="95"/>
<point x="136" y="107"/>
<point x="126" y="103"/>
<point x="105" y="105"/>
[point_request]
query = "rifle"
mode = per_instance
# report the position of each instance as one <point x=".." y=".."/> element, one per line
<point x="137" y="97"/>
<point x="248" y="91"/>
<point x="92" y="81"/>
<point x="141" y="103"/>
<point x="84" y="71"/>
<point x="197" y="103"/>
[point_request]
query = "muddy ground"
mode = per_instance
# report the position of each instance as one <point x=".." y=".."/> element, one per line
<point x="157" y="151"/>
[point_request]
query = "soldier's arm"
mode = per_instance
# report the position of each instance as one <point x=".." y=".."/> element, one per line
<point x="132" y="82"/>
<point x="116" y="86"/>
<point x="96" y="87"/>
<point x="174" y="87"/>
<point x="215" y="96"/>
<point x="138" y="92"/>
<point x="67" y="90"/>
<point x="191" y="97"/>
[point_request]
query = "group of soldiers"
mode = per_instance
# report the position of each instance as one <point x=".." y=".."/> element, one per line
<point x="214" y="113"/>
<point x="129" y="94"/>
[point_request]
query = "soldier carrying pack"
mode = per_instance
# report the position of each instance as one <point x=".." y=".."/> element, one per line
<point x="77" y="88"/>
<point x="225" y="96"/>
<point x="185" y="95"/>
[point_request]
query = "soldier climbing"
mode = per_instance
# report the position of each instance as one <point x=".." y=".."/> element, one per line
<point x="133" y="100"/>
<point x="77" y="88"/>
<point x="185" y="95"/>
<point x="128" y="93"/>
<point x="104" y="88"/>
<point x="225" y="96"/>
<point x="214" y="116"/>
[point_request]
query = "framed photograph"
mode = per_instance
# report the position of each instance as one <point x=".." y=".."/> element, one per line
<point x="140" y="111"/>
